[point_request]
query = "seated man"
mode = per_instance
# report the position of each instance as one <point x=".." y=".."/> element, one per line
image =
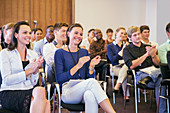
<point x="138" y="56"/>
<point x="98" y="47"/>
<point x="50" y="48"/>
<point x="164" y="56"/>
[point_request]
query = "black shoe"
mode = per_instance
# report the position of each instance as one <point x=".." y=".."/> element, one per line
<point x="127" y="100"/>
<point x="115" y="91"/>
<point x="145" y="81"/>
<point x="143" y="86"/>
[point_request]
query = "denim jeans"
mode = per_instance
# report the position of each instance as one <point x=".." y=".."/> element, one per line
<point x="155" y="83"/>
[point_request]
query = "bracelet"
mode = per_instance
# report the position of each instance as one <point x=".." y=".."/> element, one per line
<point x="91" y="69"/>
<point x="153" y="56"/>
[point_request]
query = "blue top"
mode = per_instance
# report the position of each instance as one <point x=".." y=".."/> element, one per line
<point x="64" y="62"/>
<point x="112" y="53"/>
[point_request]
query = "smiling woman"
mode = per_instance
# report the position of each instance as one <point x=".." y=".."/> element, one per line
<point x="73" y="62"/>
<point x="19" y="70"/>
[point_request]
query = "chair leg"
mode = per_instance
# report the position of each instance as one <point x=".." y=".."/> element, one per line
<point x="136" y="104"/>
<point x="167" y="100"/>
<point x="151" y="99"/>
<point x="145" y="95"/>
<point x="158" y="100"/>
<point x="138" y="95"/>
<point x="113" y="89"/>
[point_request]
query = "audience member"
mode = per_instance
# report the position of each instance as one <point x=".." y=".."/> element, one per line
<point x="109" y="39"/>
<point x="38" y="34"/>
<point x="162" y="53"/>
<point x="32" y="41"/>
<point x="7" y="31"/>
<point x="19" y="69"/>
<point x="87" y="41"/>
<point x="38" y="46"/>
<point x="145" y="33"/>
<point x="115" y="56"/>
<point x="50" y="48"/>
<point x="98" y="47"/>
<point x="140" y="57"/>
<point x="165" y="47"/>
<point x="72" y="62"/>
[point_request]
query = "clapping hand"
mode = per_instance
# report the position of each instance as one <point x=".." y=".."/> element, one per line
<point x="151" y="50"/>
<point x="95" y="60"/>
<point x="83" y="60"/>
<point x="40" y="60"/>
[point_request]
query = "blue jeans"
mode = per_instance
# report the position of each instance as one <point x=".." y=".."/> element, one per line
<point x="155" y="83"/>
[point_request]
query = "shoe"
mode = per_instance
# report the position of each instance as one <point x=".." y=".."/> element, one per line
<point x="127" y="100"/>
<point x="145" y="81"/>
<point x="115" y="91"/>
<point x="143" y="86"/>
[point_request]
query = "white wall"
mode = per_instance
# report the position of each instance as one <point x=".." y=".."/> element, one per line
<point x="163" y="18"/>
<point x="103" y="14"/>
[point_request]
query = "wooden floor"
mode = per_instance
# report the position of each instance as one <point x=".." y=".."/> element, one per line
<point x="130" y="106"/>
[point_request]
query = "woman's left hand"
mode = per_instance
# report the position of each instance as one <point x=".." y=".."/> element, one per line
<point x="95" y="60"/>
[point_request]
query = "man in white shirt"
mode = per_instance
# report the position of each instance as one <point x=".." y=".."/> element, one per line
<point x="50" y="48"/>
<point x="145" y="33"/>
<point x="38" y="46"/>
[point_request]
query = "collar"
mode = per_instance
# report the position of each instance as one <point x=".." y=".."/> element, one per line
<point x="146" y="43"/>
<point x="168" y="41"/>
<point x="115" y="43"/>
<point x="45" y="40"/>
<point x="54" y="42"/>
<point x="133" y="46"/>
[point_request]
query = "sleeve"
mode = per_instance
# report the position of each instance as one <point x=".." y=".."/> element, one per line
<point x="162" y="54"/>
<point x="61" y="75"/>
<point x="87" y="68"/>
<point x="127" y="57"/>
<point x="48" y="53"/>
<point x="93" y="51"/>
<point x="37" y="48"/>
<point x="6" y="72"/>
<point x="112" y="55"/>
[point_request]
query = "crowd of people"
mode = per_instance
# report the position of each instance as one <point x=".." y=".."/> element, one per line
<point x="66" y="56"/>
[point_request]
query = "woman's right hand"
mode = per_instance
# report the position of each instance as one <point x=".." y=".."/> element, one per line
<point x="83" y="60"/>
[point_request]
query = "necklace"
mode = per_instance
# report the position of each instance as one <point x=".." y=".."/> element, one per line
<point x="74" y="60"/>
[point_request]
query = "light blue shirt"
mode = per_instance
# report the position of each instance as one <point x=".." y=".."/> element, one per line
<point x="12" y="72"/>
<point x="162" y="51"/>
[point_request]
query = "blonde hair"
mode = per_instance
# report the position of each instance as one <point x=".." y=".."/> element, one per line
<point x="118" y="29"/>
<point x="8" y="26"/>
<point x="131" y="30"/>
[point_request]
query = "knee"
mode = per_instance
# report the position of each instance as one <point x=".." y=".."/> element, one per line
<point x="92" y="80"/>
<point x="89" y="97"/>
<point x="39" y="92"/>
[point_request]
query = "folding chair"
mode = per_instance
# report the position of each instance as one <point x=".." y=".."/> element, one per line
<point x="165" y="71"/>
<point x="137" y="94"/>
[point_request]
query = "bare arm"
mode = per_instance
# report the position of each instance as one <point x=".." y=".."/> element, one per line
<point x="80" y="63"/>
<point x="138" y="61"/>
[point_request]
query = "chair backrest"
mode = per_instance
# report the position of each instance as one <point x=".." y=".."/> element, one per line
<point x="165" y="71"/>
<point x="168" y="58"/>
<point x="0" y="79"/>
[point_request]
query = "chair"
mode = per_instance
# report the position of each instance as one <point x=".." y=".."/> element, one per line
<point x="137" y="94"/>
<point x="165" y="71"/>
<point x="71" y="107"/>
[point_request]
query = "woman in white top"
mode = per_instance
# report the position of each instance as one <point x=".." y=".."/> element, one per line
<point x="19" y="69"/>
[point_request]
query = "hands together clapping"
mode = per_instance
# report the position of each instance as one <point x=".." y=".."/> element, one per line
<point x="151" y="51"/>
<point x="35" y="65"/>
